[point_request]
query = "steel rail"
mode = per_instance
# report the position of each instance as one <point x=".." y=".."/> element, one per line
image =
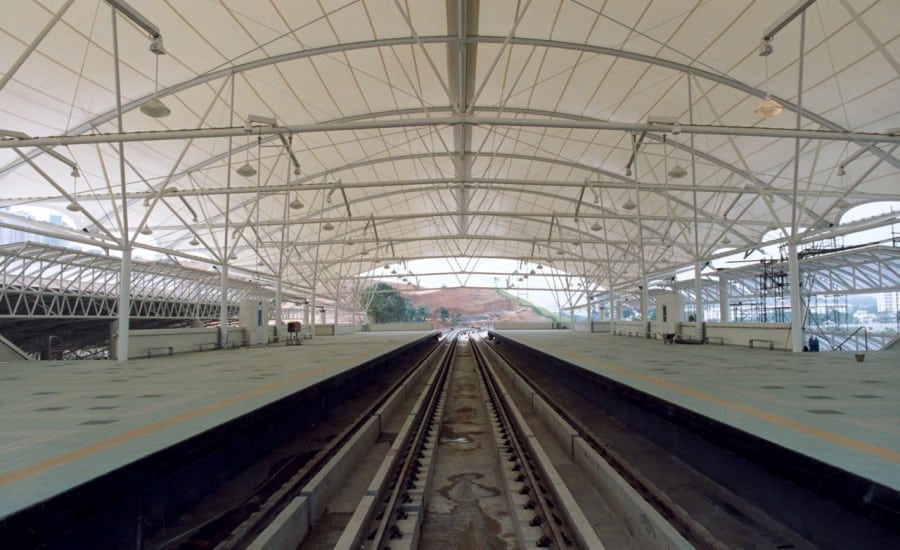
<point x="674" y="514"/>
<point x="424" y="421"/>
<point x="279" y="497"/>
<point x="545" y="516"/>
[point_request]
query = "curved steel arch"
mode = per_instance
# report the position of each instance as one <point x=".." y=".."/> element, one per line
<point x="448" y="39"/>
<point x="531" y="158"/>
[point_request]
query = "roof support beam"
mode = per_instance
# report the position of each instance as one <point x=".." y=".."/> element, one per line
<point x="7" y="76"/>
<point x="386" y="43"/>
<point x="783" y="21"/>
<point x="200" y="133"/>
<point x="462" y="20"/>
<point x="415" y="184"/>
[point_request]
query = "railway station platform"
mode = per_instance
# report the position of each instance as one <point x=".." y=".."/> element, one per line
<point x="68" y="422"/>
<point x="823" y="405"/>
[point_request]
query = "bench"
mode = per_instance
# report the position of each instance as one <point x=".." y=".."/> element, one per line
<point x="208" y="345"/>
<point x="719" y="339"/>
<point x="771" y="344"/>
<point x="169" y="349"/>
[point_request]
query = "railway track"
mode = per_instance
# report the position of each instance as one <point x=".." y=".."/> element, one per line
<point x="448" y="459"/>
<point x="464" y="451"/>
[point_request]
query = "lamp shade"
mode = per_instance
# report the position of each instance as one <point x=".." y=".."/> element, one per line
<point x="769" y="108"/>
<point x="246" y="170"/>
<point x="677" y="172"/>
<point x="155" y="108"/>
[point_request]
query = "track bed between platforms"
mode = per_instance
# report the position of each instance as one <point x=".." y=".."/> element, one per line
<point x="740" y="503"/>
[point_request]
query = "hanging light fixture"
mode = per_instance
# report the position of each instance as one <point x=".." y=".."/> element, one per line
<point x="328" y="226"/>
<point x="295" y="204"/>
<point x="247" y="170"/>
<point x="629" y="204"/>
<point x="74" y="206"/>
<point x="146" y="230"/>
<point x="842" y="203"/>
<point x="154" y="107"/>
<point x="194" y="242"/>
<point x="726" y="241"/>
<point x="233" y="256"/>
<point x="677" y="171"/>
<point x="596" y="226"/>
<point x="768" y="107"/>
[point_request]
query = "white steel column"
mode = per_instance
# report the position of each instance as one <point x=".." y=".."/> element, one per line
<point x="337" y="301"/>
<point x="223" y="297"/>
<point x="124" y="304"/>
<point x="279" y="325"/>
<point x="797" y="312"/>
<point x="223" y="305"/>
<point x="797" y="336"/>
<point x="644" y="290"/>
<point x="723" y="299"/>
<point x="698" y="291"/>
<point x="612" y="310"/>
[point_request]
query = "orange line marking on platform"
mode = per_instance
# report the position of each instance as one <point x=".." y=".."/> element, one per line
<point x="824" y="435"/>
<point x="77" y="454"/>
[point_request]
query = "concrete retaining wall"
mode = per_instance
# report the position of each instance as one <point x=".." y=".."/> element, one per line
<point x="643" y="521"/>
<point x="322" y="488"/>
<point x="394" y="327"/>
<point x="523" y="326"/>
<point x="331" y="329"/>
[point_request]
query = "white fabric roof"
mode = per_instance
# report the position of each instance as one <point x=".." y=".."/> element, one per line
<point x="492" y="129"/>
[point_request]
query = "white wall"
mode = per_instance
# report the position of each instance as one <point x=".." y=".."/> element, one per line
<point x="740" y="334"/>
<point x="523" y="326"/>
<point x="391" y="327"/>
<point x="180" y="339"/>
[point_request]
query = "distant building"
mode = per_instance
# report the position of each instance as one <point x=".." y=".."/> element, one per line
<point x="10" y="236"/>
<point x="887" y="302"/>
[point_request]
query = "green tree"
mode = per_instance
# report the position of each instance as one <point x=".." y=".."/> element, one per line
<point x="387" y="304"/>
<point x="421" y="313"/>
<point x="444" y="313"/>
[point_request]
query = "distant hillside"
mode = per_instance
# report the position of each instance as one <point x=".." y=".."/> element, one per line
<point x="477" y="305"/>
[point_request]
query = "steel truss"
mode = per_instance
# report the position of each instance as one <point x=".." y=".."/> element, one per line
<point x="868" y="270"/>
<point x="41" y="281"/>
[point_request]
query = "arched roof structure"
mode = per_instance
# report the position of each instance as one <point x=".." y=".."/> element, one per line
<point x="539" y="130"/>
